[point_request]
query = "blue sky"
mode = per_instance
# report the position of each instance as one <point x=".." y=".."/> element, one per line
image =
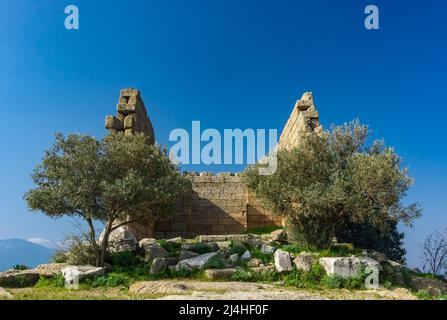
<point x="229" y="64"/>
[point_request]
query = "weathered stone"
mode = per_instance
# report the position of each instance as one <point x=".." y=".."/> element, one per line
<point x="121" y="239"/>
<point x="347" y="266"/>
<point x="238" y="237"/>
<point x="153" y="250"/>
<point x="186" y="254"/>
<point x="72" y="274"/>
<point x="212" y="238"/>
<point x="246" y="256"/>
<point x="196" y="262"/>
<point x="161" y="264"/>
<point x="380" y="257"/>
<point x="223" y="245"/>
<point x="304" y="261"/>
<point x="175" y="240"/>
<point x="200" y="246"/>
<point x="146" y="241"/>
<point x="264" y="269"/>
<point x="254" y="262"/>
<point x="255" y="241"/>
<point x="283" y="262"/>
<point x="267" y="249"/>
<point x="234" y="258"/>
<point x="19" y="278"/>
<point x="5" y="295"/>
<point x="51" y="269"/>
<point x="114" y="123"/>
<point x="215" y="274"/>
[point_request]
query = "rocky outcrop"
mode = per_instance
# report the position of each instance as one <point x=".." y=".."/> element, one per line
<point x="51" y="269"/>
<point x="121" y="239"/>
<point x="19" y="278"/>
<point x="267" y="249"/>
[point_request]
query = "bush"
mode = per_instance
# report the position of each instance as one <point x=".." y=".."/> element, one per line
<point x="112" y="279"/>
<point x="125" y="260"/>
<point x="20" y="267"/>
<point x="79" y="252"/>
<point x="333" y="282"/>
<point x="200" y="247"/>
<point x="332" y="180"/>
<point x="215" y="262"/>
<point x="171" y="247"/>
<point x="256" y="253"/>
<point x="57" y="281"/>
<point x="242" y="275"/>
<point x="236" y="247"/>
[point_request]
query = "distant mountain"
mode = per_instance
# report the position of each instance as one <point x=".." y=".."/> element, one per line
<point x="18" y="251"/>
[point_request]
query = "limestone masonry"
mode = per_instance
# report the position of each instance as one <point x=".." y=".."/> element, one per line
<point x="219" y="203"/>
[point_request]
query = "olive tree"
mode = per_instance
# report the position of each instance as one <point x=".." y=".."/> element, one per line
<point x="331" y="180"/>
<point x="117" y="180"/>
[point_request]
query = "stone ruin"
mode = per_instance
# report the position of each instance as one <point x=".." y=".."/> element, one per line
<point x="131" y="115"/>
<point x="218" y="203"/>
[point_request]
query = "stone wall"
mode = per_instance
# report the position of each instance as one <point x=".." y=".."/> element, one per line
<point x="304" y="118"/>
<point x="218" y="204"/>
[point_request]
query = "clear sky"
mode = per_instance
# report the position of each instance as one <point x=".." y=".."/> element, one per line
<point x="229" y="64"/>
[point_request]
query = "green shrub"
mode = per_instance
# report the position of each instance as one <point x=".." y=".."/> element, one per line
<point x="57" y="281"/>
<point x="20" y="267"/>
<point x="112" y="279"/>
<point x="125" y="260"/>
<point x="170" y="247"/>
<point x="200" y="247"/>
<point x="242" y="275"/>
<point x="236" y="247"/>
<point x="215" y="262"/>
<point x="262" y="230"/>
<point x="333" y="282"/>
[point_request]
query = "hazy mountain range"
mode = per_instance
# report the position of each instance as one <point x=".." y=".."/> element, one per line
<point x="19" y="251"/>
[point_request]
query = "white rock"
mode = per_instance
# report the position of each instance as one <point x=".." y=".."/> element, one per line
<point x="268" y="249"/>
<point x="74" y="274"/>
<point x="234" y="258"/>
<point x="196" y="262"/>
<point x="282" y="261"/>
<point x="304" y="261"/>
<point x="246" y="256"/>
<point x="121" y="239"/>
<point x="347" y="266"/>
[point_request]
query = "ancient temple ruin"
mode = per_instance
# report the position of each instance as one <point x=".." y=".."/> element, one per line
<point x="219" y="203"/>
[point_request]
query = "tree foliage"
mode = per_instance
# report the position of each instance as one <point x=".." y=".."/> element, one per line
<point x="117" y="180"/>
<point x="332" y="181"/>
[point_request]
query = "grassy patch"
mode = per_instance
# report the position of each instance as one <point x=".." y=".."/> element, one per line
<point x="262" y="230"/>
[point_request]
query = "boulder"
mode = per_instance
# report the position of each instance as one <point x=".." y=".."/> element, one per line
<point x="283" y="262"/>
<point x="196" y="262"/>
<point x="186" y="254"/>
<point x="380" y="257"/>
<point x="304" y="261"/>
<point x="51" y="269"/>
<point x="347" y="266"/>
<point x="19" y="278"/>
<point x="267" y="249"/>
<point x="153" y="250"/>
<point x="146" y="241"/>
<point x="264" y="269"/>
<point x="215" y="274"/>
<point x="254" y="262"/>
<point x="234" y="258"/>
<point x="5" y="295"/>
<point x="246" y="256"/>
<point x="121" y="239"/>
<point x="74" y="274"/>
<point x="255" y="241"/>
<point x="161" y="264"/>
<point x="223" y="245"/>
